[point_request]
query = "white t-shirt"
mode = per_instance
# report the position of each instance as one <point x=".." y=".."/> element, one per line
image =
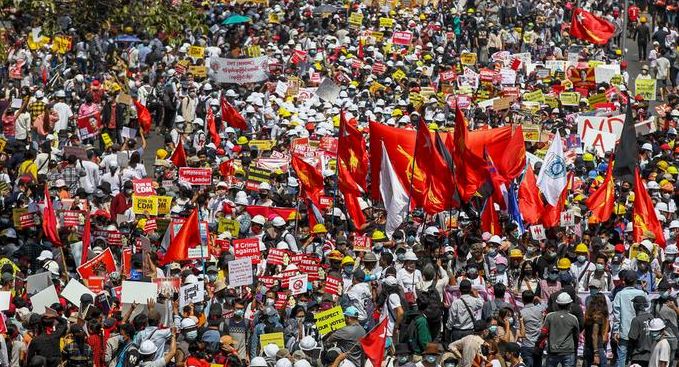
<point x="409" y="281"/>
<point x="660" y="353"/>
<point x="393" y="302"/>
<point x="65" y="113"/>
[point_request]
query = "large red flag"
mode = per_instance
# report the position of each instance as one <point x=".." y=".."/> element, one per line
<point x="178" y="157"/>
<point x="374" y="342"/>
<point x="351" y="148"/>
<point x="232" y="117"/>
<point x="530" y="203"/>
<point x="498" y="182"/>
<point x="143" y="116"/>
<point x="645" y="218"/>
<point x="511" y="163"/>
<point x="438" y="178"/>
<point x="309" y="178"/>
<point x="212" y="128"/>
<point x="188" y="237"/>
<point x="489" y="220"/>
<point x="226" y="168"/>
<point x="470" y="169"/>
<point x="587" y="27"/>
<point x="49" y="220"/>
<point x="551" y="216"/>
<point x="602" y="201"/>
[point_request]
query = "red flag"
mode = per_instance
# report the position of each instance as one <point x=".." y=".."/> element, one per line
<point x="178" y="157"/>
<point x="587" y="27"/>
<point x="469" y="168"/>
<point x="438" y="194"/>
<point x="309" y="178"/>
<point x="44" y="75"/>
<point x="645" y="218"/>
<point x="489" y="219"/>
<point x="511" y="163"/>
<point x="188" y="236"/>
<point x="232" y="117"/>
<point x="374" y="342"/>
<point x="602" y="201"/>
<point x="351" y="149"/>
<point x="49" y="220"/>
<point x="551" y="216"/>
<point x="498" y="182"/>
<point x="360" y="50"/>
<point x="143" y="116"/>
<point x="226" y="168"/>
<point x="87" y="237"/>
<point x="530" y="203"/>
<point x="212" y="128"/>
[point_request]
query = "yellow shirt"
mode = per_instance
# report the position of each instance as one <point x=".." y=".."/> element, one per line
<point x="29" y="167"/>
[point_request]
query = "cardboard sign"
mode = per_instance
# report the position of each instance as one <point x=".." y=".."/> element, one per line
<point x="362" y="243"/>
<point x="74" y="290"/>
<point x="164" y="204"/>
<point x="231" y="225"/>
<point x="604" y="73"/>
<point x="191" y="293"/>
<point x="468" y="58"/>
<point x="5" y="297"/>
<point x="501" y="104"/>
<point x="386" y="22"/>
<point x="402" y="38"/>
<point x="240" y="272"/>
<point x="567" y="219"/>
<point x="531" y="132"/>
<point x="44" y="299"/>
<point x="355" y="20"/>
<point x="328" y="91"/>
<point x="196" y="52"/>
<point x="196" y="176"/>
<point x="262" y="145"/>
<point x="333" y="285"/>
<point x="147" y="205"/>
<point x="537" y="232"/>
<point x="26" y="220"/>
<point x="37" y="282"/>
<point x="143" y="187"/>
<point x="139" y="292"/>
<point x="298" y="284"/>
<point x="570" y="98"/>
<point x="535" y="96"/>
<point x="102" y="264"/>
<point x="272" y="338"/>
<point x="330" y="320"/>
<point x="645" y="88"/>
<point x="240" y="71"/>
<point x="247" y="248"/>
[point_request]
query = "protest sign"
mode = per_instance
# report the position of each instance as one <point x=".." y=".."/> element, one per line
<point x="45" y="298"/>
<point x="240" y="272"/>
<point x="5" y="297"/>
<point x="37" y="282"/>
<point x="599" y="141"/>
<point x="537" y="232"/>
<point x="262" y="145"/>
<point x="604" y="73"/>
<point x="74" y="290"/>
<point x="191" y="293"/>
<point x="611" y="125"/>
<point x="330" y="320"/>
<point x="246" y="248"/>
<point x="362" y="243"/>
<point x="646" y="127"/>
<point x="168" y="286"/>
<point x="103" y="263"/>
<point x="272" y="338"/>
<point x="276" y="257"/>
<point x="298" y="284"/>
<point x="531" y="132"/>
<point x="62" y="44"/>
<point x="231" y="225"/>
<point x="143" y="187"/>
<point x="240" y="71"/>
<point x="71" y="218"/>
<point x="645" y="88"/>
<point x="402" y="38"/>
<point x="570" y="98"/>
<point x="535" y="96"/>
<point x="139" y="292"/>
<point x="468" y="58"/>
<point x="355" y="20"/>
<point x="567" y="219"/>
<point x="333" y="285"/>
<point x="89" y="125"/>
<point x="196" y="176"/>
<point x="386" y="22"/>
<point x="164" y="204"/>
<point x="147" y="205"/>
<point x="328" y="90"/>
<point x="196" y="52"/>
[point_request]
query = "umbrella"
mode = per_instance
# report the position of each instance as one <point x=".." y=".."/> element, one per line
<point x="325" y="9"/>
<point x="127" y="38"/>
<point x="236" y="19"/>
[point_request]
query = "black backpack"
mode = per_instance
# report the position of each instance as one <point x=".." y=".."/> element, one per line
<point x="431" y="300"/>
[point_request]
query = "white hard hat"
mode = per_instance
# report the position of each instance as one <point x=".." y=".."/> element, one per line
<point x="270" y="350"/>
<point x="147" y="348"/>
<point x="410" y="256"/>
<point x="259" y="219"/>
<point x="241" y="201"/>
<point x="648" y="245"/>
<point x="564" y="299"/>
<point x="302" y="363"/>
<point x="647" y="146"/>
<point x="671" y="250"/>
<point x="258" y="362"/>
<point x="207" y="87"/>
<point x="191" y="279"/>
<point x="651" y="185"/>
<point x="283" y="362"/>
<point x="431" y="231"/>
<point x="673" y="224"/>
<point x="278" y="222"/>
<point x="60" y="93"/>
<point x="656" y="325"/>
<point x="265" y="186"/>
<point x="282" y="245"/>
<point x="292" y="182"/>
<point x="495" y="239"/>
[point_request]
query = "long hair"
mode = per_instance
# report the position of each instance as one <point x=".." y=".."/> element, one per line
<point x="597" y="310"/>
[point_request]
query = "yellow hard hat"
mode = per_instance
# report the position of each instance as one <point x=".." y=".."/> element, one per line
<point x="470" y="11"/>
<point x="433" y="126"/>
<point x="161" y="153"/>
<point x="378" y="235"/>
<point x="515" y="253"/>
<point x="579" y="197"/>
<point x="396" y="113"/>
<point x="588" y="157"/>
<point x="335" y="255"/>
<point x="319" y="228"/>
<point x="242" y="140"/>
<point x="563" y="264"/>
<point x="642" y="256"/>
<point x="347" y="260"/>
<point x="662" y="165"/>
<point x="619" y="209"/>
<point x="427" y="57"/>
<point x="642" y="19"/>
<point x="141" y="223"/>
<point x="618" y="52"/>
<point x="672" y="170"/>
<point x="582" y="248"/>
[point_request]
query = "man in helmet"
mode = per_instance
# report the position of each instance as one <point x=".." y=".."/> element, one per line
<point x="581" y="266"/>
<point x="282" y="233"/>
<point x="147" y="352"/>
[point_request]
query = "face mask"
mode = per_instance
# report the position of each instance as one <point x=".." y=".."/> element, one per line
<point x="192" y="335"/>
<point x="666" y="196"/>
<point x="510" y="321"/>
<point x="655" y="335"/>
<point x="492" y="253"/>
<point x="670" y="258"/>
<point x="599" y="267"/>
<point x="403" y="359"/>
<point x="198" y="309"/>
<point x="303" y="304"/>
<point x="300" y="319"/>
<point x="239" y="313"/>
<point x="377" y="248"/>
<point x="501" y="269"/>
<point x="553" y="277"/>
<point x="582" y="258"/>
<point x="643" y="267"/>
<point x="430" y="359"/>
<point x="270" y="301"/>
<point x="551" y="254"/>
<point x="450" y="256"/>
<point x="492" y="329"/>
<point x="212" y="277"/>
<point x="473" y="274"/>
<point x="348" y="269"/>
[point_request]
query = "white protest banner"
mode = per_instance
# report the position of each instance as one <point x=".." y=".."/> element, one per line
<point x="240" y="272"/>
<point x="604" y="73"/>
<point x="281" y="88"/>
<point x="328" y="90"/>
<point x="556" y="65"/>
<point x="191" y="293"/>
<point x="240" y="71"/>
<point x="611" y="125"/>
<point x="538" y="232"/>
<point x="298" y="284"/>
<point x="74" y="290"/>
<point x="5" y="297"/>
<point x="599" y="141"/>
<point x="567" y="219"/>
<point x="508" y="76"/>
<point x="138" y="292"/>
<point x="37" y="282"/>
<point x="45" y="298"/>
<point x="646" y="127"/>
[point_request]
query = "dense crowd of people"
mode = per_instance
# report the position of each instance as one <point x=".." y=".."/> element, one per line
<point x="397" y="183"/>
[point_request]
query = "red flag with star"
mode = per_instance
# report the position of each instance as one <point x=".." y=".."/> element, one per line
<point x="590" y="28"/>
<point x="645" y="218"/>
<point x="602" y="201"/>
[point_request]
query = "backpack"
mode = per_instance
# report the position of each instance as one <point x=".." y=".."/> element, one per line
<point x="410" y="336"/>
<point x="129" y="356"/>
<point x="433" y="308"/>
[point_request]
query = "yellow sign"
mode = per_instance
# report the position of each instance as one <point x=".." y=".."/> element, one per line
<point x="468" y="58"/>
<point x="273" y="18"/>
<point x="595" y="63"/>
<point x="3" y="144"/>
<point x="199" y="71"/>
<point x="531" y="132"/>
<point x="43" y="40"/>
<point x="145" y="205"/>
<point x="330" y="320"/>
<point x="355" y="20"/>
<point x="645" y="88"/>
<point x="272" y="338"/>
<point x="398" y="75"/>
<point x="62" y="44"/>
<point x="375" y="86"/>
<point x="196" y="52"/>
<point x="164" y="204"/>
<point x="535" y="96"/>
<point x="570" y="98"/>
<point x="616" y="79"/>
<point x="386" y="22"/>
<point x="233" y="226"/>
<point x="597" y="98"/>
<point x="567" y="84"/>
<point x="262" y="144"/>
<point x="253" y="51"/>
<point x="551" y="101"/>
<point x="107" y="140"/>
<point x="378" y="36"/>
